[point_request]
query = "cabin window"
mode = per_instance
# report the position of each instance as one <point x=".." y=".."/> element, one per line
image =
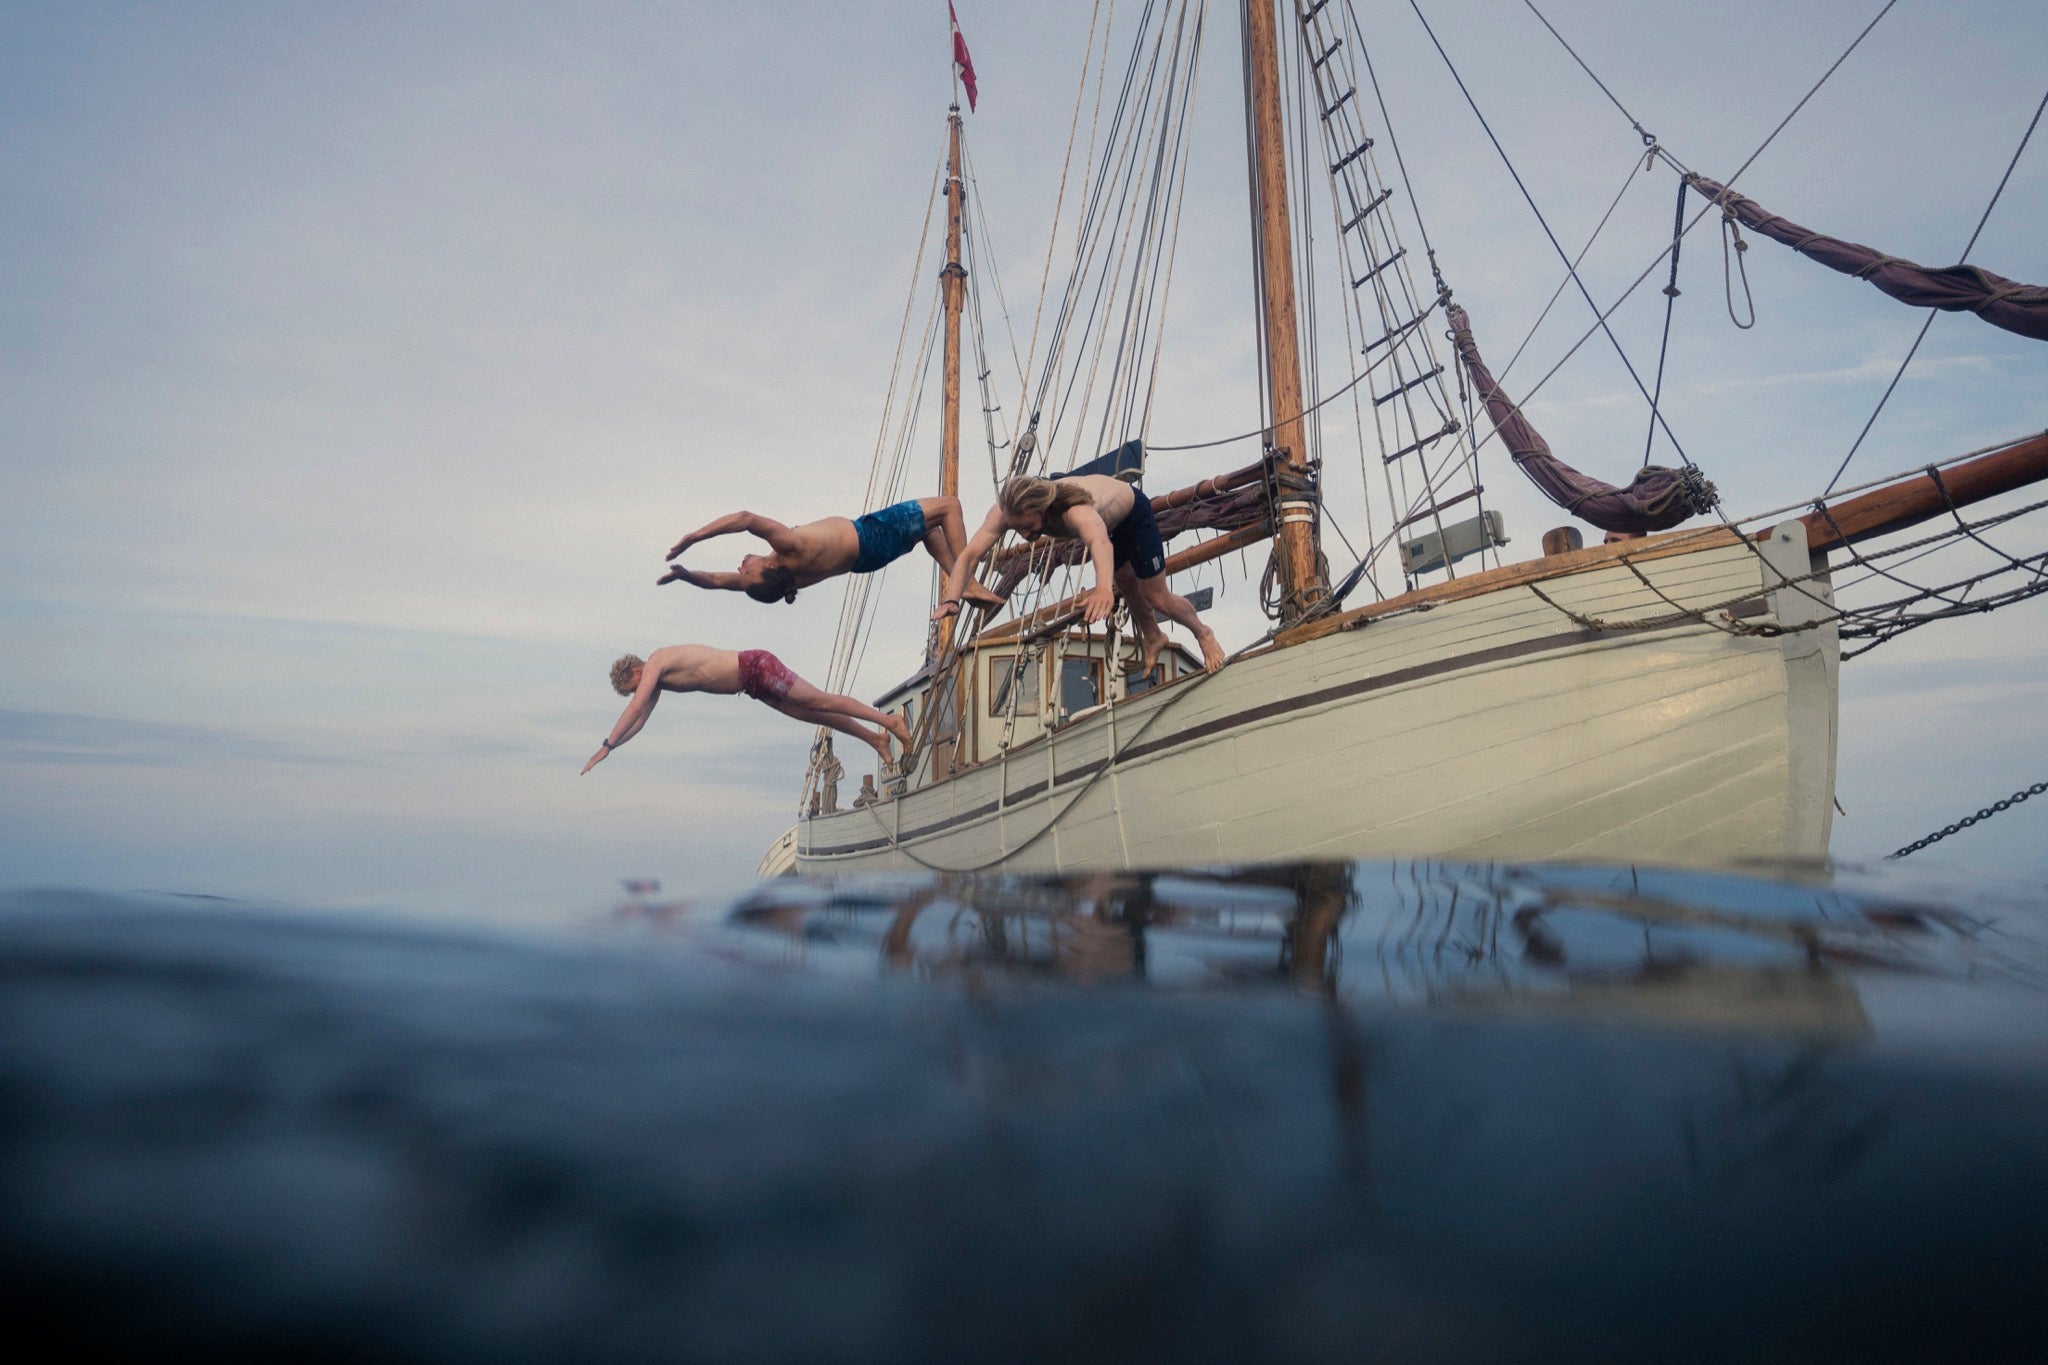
<point x="999" y="698"/>
<point x="1136" y="682"/>
<point x="946" y="726"/>
<point x="1080" y="684"/>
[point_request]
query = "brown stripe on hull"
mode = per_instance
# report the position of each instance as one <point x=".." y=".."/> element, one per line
<point x="1343" y="691"/>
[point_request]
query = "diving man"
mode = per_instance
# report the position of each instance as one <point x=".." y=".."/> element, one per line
<point x="802" y="555"/>
<point x="1114" y="520"/>
<point x="756" y="672"/>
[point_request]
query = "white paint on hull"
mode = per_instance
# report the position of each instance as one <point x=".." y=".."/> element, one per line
<point x="1488" y="727"/>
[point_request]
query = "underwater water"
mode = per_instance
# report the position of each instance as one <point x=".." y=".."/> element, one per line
<point x="1308" y="1112"/>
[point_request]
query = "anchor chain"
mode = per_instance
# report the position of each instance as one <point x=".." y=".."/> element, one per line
<point x="1969" y="820"/>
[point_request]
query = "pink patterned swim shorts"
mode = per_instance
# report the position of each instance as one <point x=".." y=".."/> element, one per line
<point x="763" y="676"/>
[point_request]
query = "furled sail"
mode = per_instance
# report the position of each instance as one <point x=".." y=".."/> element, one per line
<point x="2016" y="307"/>
<point x="1657" y="500"/>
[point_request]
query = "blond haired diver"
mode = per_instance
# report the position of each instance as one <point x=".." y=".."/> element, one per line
<point x="1113" y="519"/>
<point x="802" y="555"/>
<point x="756" y="672"/>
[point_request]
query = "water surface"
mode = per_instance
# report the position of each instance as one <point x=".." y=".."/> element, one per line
<point x="1310" y="1112"/>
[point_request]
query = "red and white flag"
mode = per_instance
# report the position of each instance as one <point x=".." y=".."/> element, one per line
<point x="961" y="61"/>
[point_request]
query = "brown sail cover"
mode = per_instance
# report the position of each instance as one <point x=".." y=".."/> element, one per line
<point x="1658" y="499"/>
<point x="2016" y="307"/>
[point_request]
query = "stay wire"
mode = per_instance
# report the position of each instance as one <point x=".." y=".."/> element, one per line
<point x="1086" y="233"/>
<point x="1649" y="139"/>
<point x="1628" y="182"/>
<point x="1670" y="305"/>
<point x="1544" y="223"/>
<point x="1024" y="408"/>
<point x="1637" y="283"/>
<point x="1600" y="320"/>
<point x="1120" y="169"/>
<point x="1118" y="418"/>
<point x="1914" y="349"/>
<point x="1786" y="121"/>
<point x="1131" y="226"/>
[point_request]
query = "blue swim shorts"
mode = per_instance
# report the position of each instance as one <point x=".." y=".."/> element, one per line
<point x="887" y="535"/>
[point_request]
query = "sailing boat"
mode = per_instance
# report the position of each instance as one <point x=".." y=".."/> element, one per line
<point x="1670" y="696"/>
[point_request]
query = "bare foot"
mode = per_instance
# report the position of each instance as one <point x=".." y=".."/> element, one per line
<point x="898" y="729"/>
<point x="1212" y="653"/>
<point x="1153" y="644"/>
<point x="980" y="596"/>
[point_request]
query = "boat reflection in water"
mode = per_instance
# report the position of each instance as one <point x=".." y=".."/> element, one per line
<point x="1323" y="1112"/>
<point x="1537" y="1109"/>
<point x="1688" y="947"/>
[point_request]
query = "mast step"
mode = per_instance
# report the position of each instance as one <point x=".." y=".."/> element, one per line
<point x="1328" y="52"/>
<point x="1367" y="276"/>
<point x="1416" y="382"/>
<point x="1342" y="100"/>
<point x="1313" y="10"/>
<point x="1351" y="156"/>
<point x="1450" y="429"/>
<point x="1359" y="217"/>
<point x="1403" y="330"/>
<point x="1431" y="511"/>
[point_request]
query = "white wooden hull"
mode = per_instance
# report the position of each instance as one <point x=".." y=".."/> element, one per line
<point x="1488" y="727"/>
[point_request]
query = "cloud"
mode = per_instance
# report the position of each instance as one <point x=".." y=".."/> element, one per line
<point x="1876" y="369"/>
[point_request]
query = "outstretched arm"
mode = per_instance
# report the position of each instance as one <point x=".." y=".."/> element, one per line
<point x="678" y="574"/>
<point x="632" y="718"/>
<point x="774" y="532"/>
<point x="956" y="582"/>
<point x="1100" y="600"/>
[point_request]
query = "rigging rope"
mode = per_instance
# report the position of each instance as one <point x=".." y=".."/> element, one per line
<point x="1912" y="350"/>
<point x="1627" y="180"/>
<point x="1656" y="416"/>
<point x="1649" y="139"/>
<point x="1784" y="122"/>
<point x="1024" y="405"/>
<point x="1600" y="322"/>
<point x="1670" y="305"/>
<point x="1306" y="410"/>
<point x="855" y="595"/>
<point x="1174" y="698"/>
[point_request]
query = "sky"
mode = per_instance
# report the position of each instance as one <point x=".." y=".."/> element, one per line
<point x="358" y="363"/>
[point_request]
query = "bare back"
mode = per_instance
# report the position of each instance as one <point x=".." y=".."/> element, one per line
<point x="819" y="549"/>
<point x="696" y="668"/>
<point x="1112" y="500"/>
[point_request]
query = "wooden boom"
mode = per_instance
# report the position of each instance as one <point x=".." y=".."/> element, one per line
<point x="1895" y="506"/>
<point x="1911" y="501"/>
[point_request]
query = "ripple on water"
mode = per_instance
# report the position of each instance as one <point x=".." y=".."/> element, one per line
<point x="1415" y="1109"/>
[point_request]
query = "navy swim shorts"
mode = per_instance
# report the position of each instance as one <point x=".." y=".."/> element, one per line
<point x="887" y="535"/>
<point x="1136" y="542"/>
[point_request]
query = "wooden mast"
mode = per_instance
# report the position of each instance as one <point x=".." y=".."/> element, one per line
<point x="1297" y="551"/>
<point x="948" y="692"/>
<point x="954" y="277"/>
